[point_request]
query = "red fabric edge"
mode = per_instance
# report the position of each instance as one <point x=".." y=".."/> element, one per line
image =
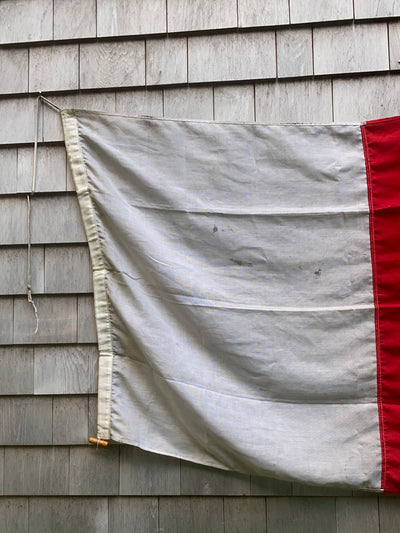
<point x="381" y="140"/>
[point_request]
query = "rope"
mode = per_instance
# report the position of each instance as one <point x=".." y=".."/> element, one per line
<point x="30" y="195"/>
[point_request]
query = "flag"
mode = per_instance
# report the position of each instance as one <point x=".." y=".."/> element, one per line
<point x="246" y="282"/>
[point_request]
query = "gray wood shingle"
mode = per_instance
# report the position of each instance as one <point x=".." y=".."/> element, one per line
<point x="263" y="486"/>
<point x="14" y="264"/>
<point x="65" y="369"/>
<point x="144" y="473"/>
<point x="394" y="45"/>
<point x="86" y="320"/>
<point x="294" y="53"/>
<point x="141" y="102"/>
<point x="112" y="64"/>
<point x="191" y="514"/>
<point x="118" y="17"/>
<point x="201" y="480"/>
<point x="45" y="61"/>
<point x="67" y="269"/>
<point x="252" y="13"/>
<point x="30" y="471"/>
<point x="245" y="514"/>
<point x="234" y="103"/>
<point x="57" y="320"/>
<point x="8" y="170"/>
<point x="25" y="421"/>
<point x="376" y="8"/>
<point x="16" y="370"/>
<point x="308" y="514"/>
<point x="312" y="11"/>
<point x="94" y="471"/>
<point x="24" y="20"/>
<point x="294" y="101"/>
<point x="233" y="56"/>
<point x="355" y="48"/>
<point x="357" y="514"/>
<point x="74" y="19"/>
<point x="194" y="103"/>
<point x="133" y="514"/>
<point x="14" y="513"/>
<point x="6" y="320"/>
<point x="50" y="169"/>
<point x="166" y="61"/>
<point x="70" y="420"/>
<point x="365" y="98"/>
<point x="66" y="515"/>
<point x="205" y="15"/>
<point x="14" y="70"/>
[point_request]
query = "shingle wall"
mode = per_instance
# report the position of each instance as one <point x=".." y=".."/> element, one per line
<point x="240" y="60"/>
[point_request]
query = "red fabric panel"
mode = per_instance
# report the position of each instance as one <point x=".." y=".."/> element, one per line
<point x="382" y="154"/>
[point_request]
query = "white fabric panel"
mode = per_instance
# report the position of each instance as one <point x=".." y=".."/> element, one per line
<point x="237" y="279"/>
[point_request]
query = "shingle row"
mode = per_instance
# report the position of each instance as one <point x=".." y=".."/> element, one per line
<point x="202" y="59"/>
<point x="45" y="20"/>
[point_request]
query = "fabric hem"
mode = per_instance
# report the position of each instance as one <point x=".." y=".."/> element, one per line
<point x="103" y="325"/>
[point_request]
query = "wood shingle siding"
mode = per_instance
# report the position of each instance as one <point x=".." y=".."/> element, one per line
<point x="230" y="60"/>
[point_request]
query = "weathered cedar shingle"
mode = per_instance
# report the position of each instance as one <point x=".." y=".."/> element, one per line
<point x="112" y="64"/>
<point x="143" y="473"/>
<point x="14" y="264"/>
<point x="194" y="103"/>
<point x="14" y="513"/>
<point x="204" y="15"/>
<point x="191" y="514"/>
<point x="312" y="11"/>
<point x="260" y="13"/>
<point x="65" y="369"/>
<point x="201" y="480"/>
<point x="140" y="102"/>
<point x="245" y="514"/>
<point x="118" y="17"/>
<point x="308" y="514"/>
<point x="358" y="515"/>
<point x="294" y="53"/>
<point x="50" y="169"/>
<point x="57" y="320"/>
<point x="94" y="471"/>
<point x="376" y="8"/>
<point x="394" y="45"/>
<point x="166" y="61"/>
<point x="232" y="56"/>
<point x="14" y="70"/>
<point x="294" y="101"/>
<point x="66" y="515"/>
<point x="24" y="20"/>
<point x="67" y="269"/>
<point x="74" y="19"/>
<point x="262" y="486"/>
<point x="70" y="420"/>
<point x="133" y="514"/>
<point x="16" y="370"/>
<point x="53" y="68"/>
<point x="358" y="48"/>
<point x="30" y="471"/>
<point x="365" y="98"/>
<point x="25" y="421"/>
<point x="234" y="103"/>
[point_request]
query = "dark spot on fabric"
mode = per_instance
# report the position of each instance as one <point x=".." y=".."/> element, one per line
<point x="215" y="229"/>
<point x="241" y="263"/>
<point x="317" y="272"/>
